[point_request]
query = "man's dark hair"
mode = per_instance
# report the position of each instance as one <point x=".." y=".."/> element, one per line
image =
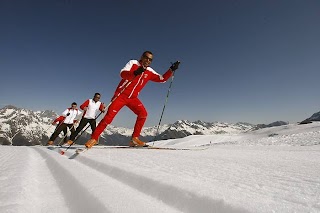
<point x="74" y="103"/>
<point x="95" y="94"/>
<point x="144" y="53"/>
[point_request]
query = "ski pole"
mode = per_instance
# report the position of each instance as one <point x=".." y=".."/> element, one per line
<point x="46" y="131"/>
<point x="48" y="128"/>
<point x="78" y="136"/>
<point x="60" y="124"/>
<point x="82" y="131"/>
<point x="164" y="106"/>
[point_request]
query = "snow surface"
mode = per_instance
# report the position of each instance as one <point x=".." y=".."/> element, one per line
<point x="270" y="170"/>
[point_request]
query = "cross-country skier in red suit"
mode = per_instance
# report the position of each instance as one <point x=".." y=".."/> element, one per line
<point x="68" y="121"/>
<point x="90" y="108"/>
<point x="135" y="76"/>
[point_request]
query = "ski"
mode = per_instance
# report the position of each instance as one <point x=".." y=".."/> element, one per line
<point x="79" y="149"/>
<point x="77" y="152"/>
<point x="147" y="147"/>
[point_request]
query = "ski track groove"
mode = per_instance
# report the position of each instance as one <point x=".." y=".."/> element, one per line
<point x="117" y="197"/>
<point x="86" y="202"/>
<point x="27" y="189"/>
<point x="7" y="205"/>
<point x="183" y="200"/>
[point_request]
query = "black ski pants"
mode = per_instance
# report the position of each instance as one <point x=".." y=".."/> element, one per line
<point x="82" y="124"/>
<point x="63" y="127"/>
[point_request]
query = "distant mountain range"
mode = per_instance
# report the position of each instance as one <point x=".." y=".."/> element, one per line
<point x="26" y="127"/>
<point x="314" y="117"/>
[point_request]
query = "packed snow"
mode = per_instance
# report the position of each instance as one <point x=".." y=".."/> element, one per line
<point x="269" y="170"/>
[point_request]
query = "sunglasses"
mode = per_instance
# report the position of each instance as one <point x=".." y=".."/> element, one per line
<point x="146" y="57"/>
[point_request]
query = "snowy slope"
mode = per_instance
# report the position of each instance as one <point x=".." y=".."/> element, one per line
<point x="291" y="134"/>
<point x="269" y="170"/>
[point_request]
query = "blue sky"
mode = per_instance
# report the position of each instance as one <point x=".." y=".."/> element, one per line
<point x="249" y="61"/>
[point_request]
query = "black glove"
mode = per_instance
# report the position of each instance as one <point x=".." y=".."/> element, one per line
<point x="68" y="114"/>
<point x="175" y="66"/>
<point x="138" y="71"/>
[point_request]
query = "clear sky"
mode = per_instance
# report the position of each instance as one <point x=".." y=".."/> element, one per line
<point x="241" y="60"/>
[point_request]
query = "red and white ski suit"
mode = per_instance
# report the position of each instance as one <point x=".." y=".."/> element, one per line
<point x="62" y="118"/>
<point x="127" y="93"/>
<point x="92" y="108"/>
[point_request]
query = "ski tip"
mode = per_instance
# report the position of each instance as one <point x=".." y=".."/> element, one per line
<point x="78" y="151"/>
<point x="62" y="152"/>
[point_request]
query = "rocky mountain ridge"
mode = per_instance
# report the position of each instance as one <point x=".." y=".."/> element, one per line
<point x="26" y="127"/>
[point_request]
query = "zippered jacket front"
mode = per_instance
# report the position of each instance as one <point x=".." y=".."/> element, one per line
<point x="134" y="84"/>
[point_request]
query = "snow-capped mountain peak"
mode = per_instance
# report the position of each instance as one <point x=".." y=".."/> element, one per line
<point x="20" y="126"/>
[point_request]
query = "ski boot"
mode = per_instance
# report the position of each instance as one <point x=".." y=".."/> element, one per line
<point x="90" y="143"/>
<point x="135" y="141"/>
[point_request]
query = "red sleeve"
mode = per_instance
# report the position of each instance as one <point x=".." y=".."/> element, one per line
<point x="163" y="78"/>
<point x="128" y="75"/>
<point x="59" y="119"/>
<point x="85" y="104"/>
<point x="127" y="71"/>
